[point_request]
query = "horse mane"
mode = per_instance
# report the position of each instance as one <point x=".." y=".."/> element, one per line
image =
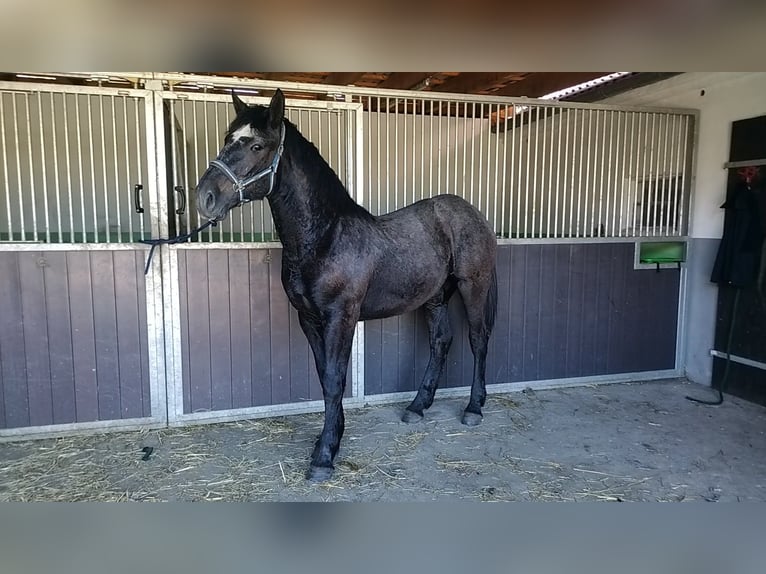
<point x="320" y="174"/>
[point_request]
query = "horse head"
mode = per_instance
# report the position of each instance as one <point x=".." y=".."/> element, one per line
<point x="246" y="166"/>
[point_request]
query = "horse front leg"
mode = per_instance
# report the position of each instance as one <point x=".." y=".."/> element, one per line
<point x="337" y="337"/>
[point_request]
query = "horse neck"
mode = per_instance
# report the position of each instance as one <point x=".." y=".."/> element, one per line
<point x="309" y="199"/>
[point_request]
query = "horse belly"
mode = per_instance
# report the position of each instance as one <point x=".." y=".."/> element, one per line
<point x="391" y="297"/>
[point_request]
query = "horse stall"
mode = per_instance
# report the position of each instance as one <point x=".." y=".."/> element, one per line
<point x="589" y="203"/>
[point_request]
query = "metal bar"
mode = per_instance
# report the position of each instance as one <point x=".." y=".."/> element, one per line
<point x="446" y="149"/>
<point x="103" y="169"/>
<point x="655" y="171"/>
<point x="559" y="208"/>
<point x="92" y="172"/>
<point x="665" y="181"/>
<point x="744" y="163"/>
<point x="388" y="158"/>
<point x="33" y="195"/>
<point x="139" y="166"/>
<point x="519" y="212"/>
<point x="173" y="153"/>
<point x="17" y="147"/>
<point x="404" y="156"/>
<point x="81" y="168"/>
<point x="539" y="190"/>
<point x="643" y="181"/>
<point x="676" y="174"/>
<point x="686" y="192"/>
<point x="495" y="226"/>
<point x="479" y="187"/>
<point x="568" y="197"/>
<point x="465" y="129"/>
<point x="551" y="206"/>
<point x="506" y="192"/>
<point x="580" y="199"/>
<point x="127" y="166"/>
<point x="116" y="172"/>
<point x="431" y="154"/>
<point x="473" y="141"/>
<point x="5" y="167"/>
<point x="738" y="359"/>
<point x="526" y="178"/>
<point x="623" y="161"/>
<point x="414" y="146"/>
<point x="610" y="198"/>
<point x="423" y="149"/>
<point x="586" y="205"/>
<point x="596" y="222"/>
<point x="199" y="237"/>
<point x="396" y="154"/>
<point x="56" y="179"/>
<point x="377" y="150"/>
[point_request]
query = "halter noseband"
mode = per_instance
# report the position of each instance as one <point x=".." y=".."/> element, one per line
<point x="241" y="184"/>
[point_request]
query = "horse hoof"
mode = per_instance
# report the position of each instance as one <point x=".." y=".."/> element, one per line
<point x="319" y="473"/>
<point x="411" y="417"/>
<point x="471" y="419"/>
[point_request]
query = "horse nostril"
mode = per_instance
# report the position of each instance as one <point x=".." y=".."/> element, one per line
<point x="209" y="200"/>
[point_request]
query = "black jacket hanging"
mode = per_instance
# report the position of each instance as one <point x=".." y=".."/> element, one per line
<point x="739" y="254"/>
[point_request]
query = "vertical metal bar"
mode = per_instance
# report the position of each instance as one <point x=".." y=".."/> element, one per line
<point x="18" y="166"/>
<point x="534" y="176"/>
<point x="5" y="166"/>
<point x="580" y="198"/>
<point x="588" y="183"/>
<point x="505" y="191"/>
<point x="568" y="203"/>
<point x="539" y="190"/>
<point x="473" y="141"/>
<point x="414" y="171"/>
<point x="139" y="163"/>
<point x="551" y="206"/>
<point x="623" y="161"/>
<point x="519" y="212"/>
<point x="43" y="165"/>
<point x="116" y="172"/>
<point x="127" y="166"/>
<point x="96" y="237"/>
<point x="103" y="168"/>
<point x="396" y="154"/>
<point x="653" y="173"/>
<point x="173" y="156"/>
<point x="388" y="156"/>
<point x="479" y="170"/>
<point x="599" y="223"/>
<point x="404" y="156"/>
<point x="431" y="154"/>
<point x="633" y="154"/>
<point x="56" y="179"/>
<point x="676" y="173"/>
<point x="33" y="195"/>
<point x="465" y="129"/>
<point x="423" y="147"/>
<point x="558" y="207"/>
<point x="644" y="186"/>
<point x="378" y="141"/>
<point x="446" y="150"/>
<point x="495" y="225"/>
<point x="81" y="168"/>
<point x="368" y="143"/>
<point x="684" y="188"/>
<point x="610" y="196"/>
<point x="666" y="180"/>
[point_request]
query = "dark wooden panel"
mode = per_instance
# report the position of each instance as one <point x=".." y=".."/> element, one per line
<point x="12" y="352"/>
<point x="143" y="335"/>
<point x="239" y="317"/>
<point x="83" y="336"/>
<point x="183" y="304"/>
<point x="126" y="288"/>
<point x="105" y="325"/>
<point x="260" y="319"/>
<point x="36" y="340"/>
<point x="219" y="291"/>
<point x="567" y="310"/>
<point x="198" y="335"/>
<point x="60" y="338"/>
<point x="280" y="333"/>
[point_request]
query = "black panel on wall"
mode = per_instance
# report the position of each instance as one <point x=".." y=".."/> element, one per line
<point x="748" y="142"/>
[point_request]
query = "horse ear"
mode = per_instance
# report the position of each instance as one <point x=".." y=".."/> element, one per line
<point x="277" y="109"/>
<point x="239" y="105"/>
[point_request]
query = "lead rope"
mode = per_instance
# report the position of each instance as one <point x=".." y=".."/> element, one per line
<point x="171" y="240"/>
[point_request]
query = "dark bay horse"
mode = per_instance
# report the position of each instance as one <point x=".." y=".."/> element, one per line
<point x="340" y="264"/>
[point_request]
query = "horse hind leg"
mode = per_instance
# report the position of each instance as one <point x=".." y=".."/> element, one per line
<point x="480" y="301"/>
<point x="440" y="339"/>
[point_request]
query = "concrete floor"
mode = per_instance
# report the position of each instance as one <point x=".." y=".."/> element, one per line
<point x="619" y="442"/>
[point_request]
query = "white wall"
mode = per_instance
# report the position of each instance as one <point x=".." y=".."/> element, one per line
<point x="728" y="96"/>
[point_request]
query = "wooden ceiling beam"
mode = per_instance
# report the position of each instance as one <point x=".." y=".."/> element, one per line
<point x="475" y="82"/>
<point x="538" y="84"/>
<point x="343" y="78"/>
<point x="403" y="80"/>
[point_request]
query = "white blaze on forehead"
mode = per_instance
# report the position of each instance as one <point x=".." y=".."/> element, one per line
<point x="244" y="132"/>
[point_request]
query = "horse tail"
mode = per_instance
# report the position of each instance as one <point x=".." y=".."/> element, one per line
<point x="490" y="306"/>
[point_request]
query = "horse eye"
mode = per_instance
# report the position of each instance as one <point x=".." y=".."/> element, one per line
<point x="256" y="147"/>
